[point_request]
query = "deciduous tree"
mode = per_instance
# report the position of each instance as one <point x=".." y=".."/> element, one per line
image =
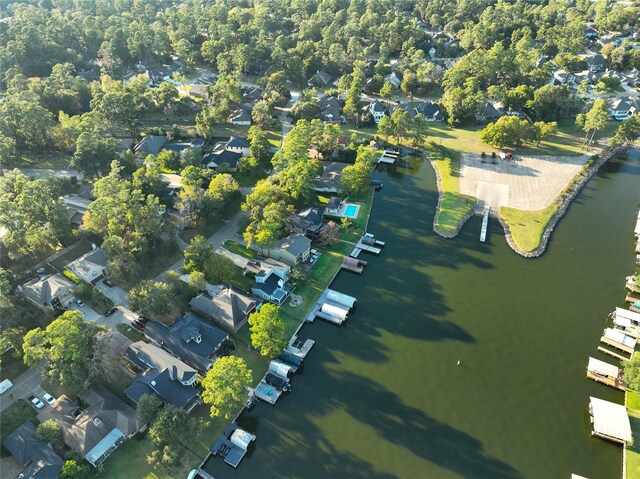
<point x="268" y="333"/>
<point x="225" y="386"/>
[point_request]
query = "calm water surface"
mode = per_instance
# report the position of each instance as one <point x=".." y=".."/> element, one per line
<point x="383" y="397"/>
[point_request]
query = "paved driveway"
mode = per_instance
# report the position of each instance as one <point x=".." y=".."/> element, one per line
<point x="89" y="314"/>
<point x="114" y="293"/>
<point x="23" y="386"/>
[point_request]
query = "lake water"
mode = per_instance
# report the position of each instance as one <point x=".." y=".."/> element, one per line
<point x="383" y="396"/>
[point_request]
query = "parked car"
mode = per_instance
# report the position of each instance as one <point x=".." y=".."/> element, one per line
<point x="80" y="303"/>
<point x="143" y="320"/>
<point x="36" y="403"/>
<point x="111" y="311"/>
<point x="5" y="385"/>
<point x="49" y="398"/>
<point x="138" y="325"/>
<point x="107" y="282"/>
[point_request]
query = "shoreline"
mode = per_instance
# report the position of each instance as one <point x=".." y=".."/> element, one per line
<point x="566" y="197"/>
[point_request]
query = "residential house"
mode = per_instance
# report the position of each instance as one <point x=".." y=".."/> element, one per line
<point x="403" y="105"/>
<point x="197" y="90"/>
<point x="395" y="78"/>
<point x="217" y="157"/>
<point x="488" y="112"/>
<point x="163" y="375"/>
<point x="97" y="431"/>
<point x="369" y="68"/>
<point x="561" y="77"/>
<point x="331" y="110"/>
<point x="150" y="145"/>
<point x="624" y="108"/>
<point x="329" y="182"/>
<point x="590" y="33"/>
<point x="38" y="459"/>
<point x="91" y="267"/>
<point x="174" y="183"/>
<point x="77" y="206"/>
<point x="595" y="62"/>
<point x="252" y="95"/>
<point x="377" y="110"/>
<point x="333" y="206"/>
<point x="189" y="338"/>
<point x="320" y="79"/>
<point x="237" y="145"/>
<point x="241" y="116"/>
<point x="308" y="222"/>
<point x="271" y="284"/>
<point x="50" y="291"/>
<point x="591" y="77"/>
<point x="430" y="110"/>
<point x="230" y="307"/>
<point x="291" y="250"/>
<point x="182" y="147"/>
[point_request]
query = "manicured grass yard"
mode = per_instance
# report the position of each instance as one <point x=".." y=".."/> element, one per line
<point x="455" y="206"/>
<point x="527" y="226"/>
<point x="131" y="333"/>
<point x="239" y="249"/>
<point x="60" y="262"/>
<point x="633" y="452"/>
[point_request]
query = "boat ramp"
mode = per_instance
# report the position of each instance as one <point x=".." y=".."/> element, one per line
<point x="485" y="224"/>
<point x="369" y="244"/>
<point x="605" y="373"/>
<point x="332" y="306"/>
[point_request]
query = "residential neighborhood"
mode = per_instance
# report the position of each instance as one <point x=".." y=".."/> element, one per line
<point x="196" y="199"/>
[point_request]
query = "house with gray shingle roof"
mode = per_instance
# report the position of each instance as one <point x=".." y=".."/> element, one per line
<point x="291" y="250"/>
<point x="97" y="431"/>
<point x="162" y="374"/>
<point x="150" y="145"/>
<point x="90" y="267"/>
<point x="51" y="291"/>
<point x="624" y="108"/>
<point x="229" y="307"/>
<point x="36" y="456"/>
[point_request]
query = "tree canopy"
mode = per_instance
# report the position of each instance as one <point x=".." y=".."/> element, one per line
<point x="225" y="386"/>
<point x="268" y="334"/>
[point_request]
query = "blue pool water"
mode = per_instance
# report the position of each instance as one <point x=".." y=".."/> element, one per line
<point x="351" y="211"/>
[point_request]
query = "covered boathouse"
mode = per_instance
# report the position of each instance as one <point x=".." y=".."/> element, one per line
<point x="610" y="421"/>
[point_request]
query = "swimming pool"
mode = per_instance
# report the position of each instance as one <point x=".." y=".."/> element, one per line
<point x="351" y="211"/>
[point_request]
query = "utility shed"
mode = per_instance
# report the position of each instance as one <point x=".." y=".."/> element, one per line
<point x="610" y="421"/>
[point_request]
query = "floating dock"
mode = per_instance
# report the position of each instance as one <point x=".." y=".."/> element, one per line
<point x="299" y="348"/>
<point x="267" y="393"/>
<point x="232" y="445"/>
<point x="369" y="244"/>
<point x="389" y="157"/>
<point x="485" y="224"/>
<point x="627" y="321"/>
<point x="612" y="353"/>
<point x="606" y="373"/>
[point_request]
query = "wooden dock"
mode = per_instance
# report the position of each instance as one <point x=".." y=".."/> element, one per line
<point x="613" y="382"/>
<point x="611" y="353"/>
<point x="485" y="225"/>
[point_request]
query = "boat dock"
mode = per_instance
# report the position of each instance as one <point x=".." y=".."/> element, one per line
<point x="267" y="393"/>
<point x="627" y="321"/>
<point x="332" y="306"/>
<point x="232" y="445"/>
<point x="612" y="353"/>
<point x="619" y="340"/>
<point x="353" y="264"/>
<point x="606" y="373"/>
<point x="485" y="224"/>
<point x="369" y="244"/>
<point x="299" y="348"/>
<point x="389" y="156"/>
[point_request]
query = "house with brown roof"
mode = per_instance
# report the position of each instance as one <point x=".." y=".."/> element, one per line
<point x="229" y="307"/>
<point x="97" y="431"/>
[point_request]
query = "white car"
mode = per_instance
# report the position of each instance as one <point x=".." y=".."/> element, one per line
<point x="36" y="402"/>
<point x="49" y="399"/>
<point x="80" y="303"/>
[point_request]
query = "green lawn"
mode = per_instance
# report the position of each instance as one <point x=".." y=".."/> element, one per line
<point x="131" y="333"/>
<point x="53" y="160"/>
<point x="568" y="140"/>
<point x="250" y="178"/>
<point x="633" y="399"/>
<point x="455" y="206"/>
<point x="60" y="262"/>
<point x="633" y="451"/>
<point x="527" y="226"/>
<point x="211" y="227"/>
<point x="239" y="249"/>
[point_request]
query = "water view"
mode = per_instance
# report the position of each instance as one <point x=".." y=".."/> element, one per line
<point x="385" y="397"/>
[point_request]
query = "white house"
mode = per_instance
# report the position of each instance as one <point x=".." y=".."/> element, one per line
<point x="624" y="108"/>
<point x="377" y="110"/>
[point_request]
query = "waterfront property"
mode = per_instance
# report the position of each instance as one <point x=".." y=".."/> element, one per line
<point x="292" y="250"/>
<point x="189" y="338"/>
<point x="605" y="373"/>
<point x="332" y="306"/>
<point x="610" y="421"/>
<point x="229" y="307"/>
<point x="271" y="284"/>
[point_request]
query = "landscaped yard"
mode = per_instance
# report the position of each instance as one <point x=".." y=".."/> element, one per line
<point x="131" y="333"/>
<point x="527" y="226"/>
<point x="211" y="227"/>
<point x="239" y="249"/>
<point x="633" y="452"/>
<point x="17" y="413"/>
<point x="60" y="262"/>
<point x="455" y="206"/>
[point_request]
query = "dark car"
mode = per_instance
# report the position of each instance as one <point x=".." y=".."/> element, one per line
<point x="142" y="319"/>
<point x="107" y="282"/>
<point x="111" y="311"/>
<point x="138" y="325"/>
